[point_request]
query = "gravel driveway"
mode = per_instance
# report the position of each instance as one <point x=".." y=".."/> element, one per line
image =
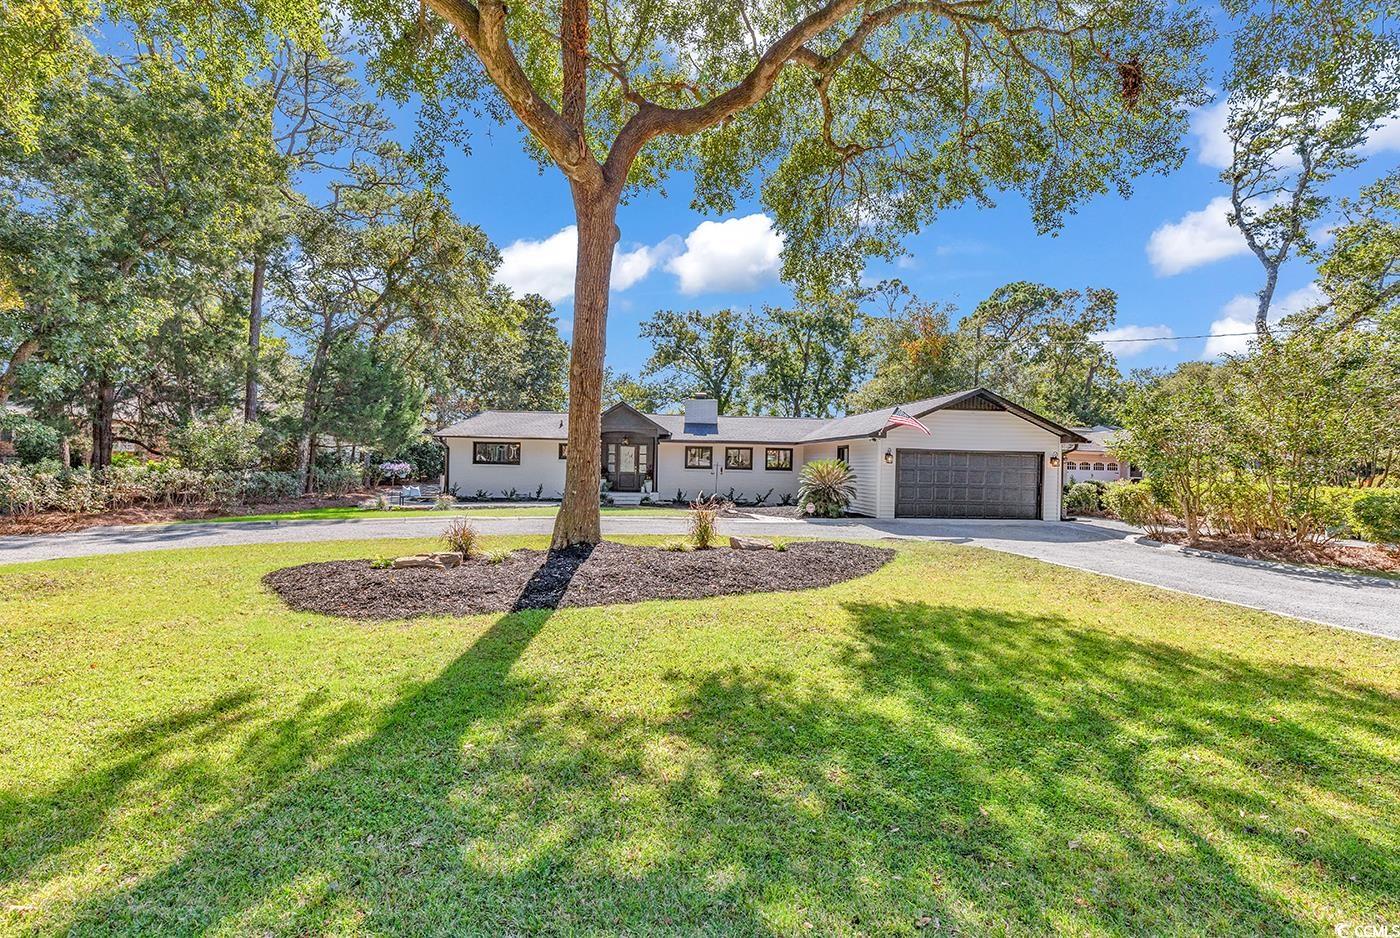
<point x="1351" y="601"/>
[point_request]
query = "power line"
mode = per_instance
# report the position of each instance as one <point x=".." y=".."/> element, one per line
<point x="1173" y="338"/>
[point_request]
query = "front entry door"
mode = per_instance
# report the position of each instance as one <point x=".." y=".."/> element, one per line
<point x="627" y="466"/>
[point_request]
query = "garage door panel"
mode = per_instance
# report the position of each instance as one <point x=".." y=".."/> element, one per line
<point x="966" y="484"/>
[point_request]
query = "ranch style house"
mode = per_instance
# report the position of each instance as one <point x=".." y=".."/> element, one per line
<point x="983" y="457"/>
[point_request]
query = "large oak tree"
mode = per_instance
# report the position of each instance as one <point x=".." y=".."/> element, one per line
<point x="864" y="117"/>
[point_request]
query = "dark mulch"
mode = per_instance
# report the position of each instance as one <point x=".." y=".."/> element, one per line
<point x="768" y="511"/>
<point x="1368" y="559"/>
<point x="535" y="579"/>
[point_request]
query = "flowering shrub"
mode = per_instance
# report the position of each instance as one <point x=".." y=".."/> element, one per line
<point x="395" y="470"/>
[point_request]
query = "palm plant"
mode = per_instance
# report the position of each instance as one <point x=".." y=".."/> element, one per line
<point x="826" y="487"/>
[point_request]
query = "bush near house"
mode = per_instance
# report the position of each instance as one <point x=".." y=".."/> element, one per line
<point x="1136" y="504"/>
<point x="1085" y="496"/>
<point x="826" y="488"/>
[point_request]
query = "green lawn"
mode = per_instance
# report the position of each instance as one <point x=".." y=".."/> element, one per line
<point x="521" y="511"/>
<point x="964" y="739"/>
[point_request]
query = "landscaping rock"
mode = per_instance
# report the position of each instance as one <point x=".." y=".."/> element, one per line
<point x="750" y="543"/>
<point x="419" y="561"/>
<point x="448" y="558"/>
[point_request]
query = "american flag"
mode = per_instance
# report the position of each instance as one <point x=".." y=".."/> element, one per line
<point x="901" y="417"/>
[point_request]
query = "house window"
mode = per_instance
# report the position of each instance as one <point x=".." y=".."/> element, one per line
<point x="1098" y="467"/>
<point x="779" y="459"/>
<point x="496" y="454"/>
<point x="738" y="457"/>
<point x="1113" y="467"/>
<point x="563" y="450"/>
<point x="699" y="457"/>
<point x="843" y="453"/>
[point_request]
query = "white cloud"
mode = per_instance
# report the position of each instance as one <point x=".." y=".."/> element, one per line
<point x="1127" y="341"/>
<point x="629" y="267"/>
<point x="1213" y="146"/>
<point x="547" y="267"/>
<point x="1237" y="316"/>
<point x="544" y="267"/>
<point x="734" y="254"/>
<point x="1208" y="124"/>
<point x="1200" y="237"/>
<point x="1385" y="137"/>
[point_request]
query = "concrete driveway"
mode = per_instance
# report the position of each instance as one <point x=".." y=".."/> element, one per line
<point x="1350" y="601"/>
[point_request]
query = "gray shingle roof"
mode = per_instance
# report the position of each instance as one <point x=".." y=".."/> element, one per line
<point x="515" y="424"/>
<point x="550" y="425"/>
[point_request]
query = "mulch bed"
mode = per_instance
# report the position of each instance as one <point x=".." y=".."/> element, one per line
<point x="534" y="579"/>
<point x="1369" y="559"/>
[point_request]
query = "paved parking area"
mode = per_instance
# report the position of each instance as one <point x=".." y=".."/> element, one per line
<point x="1352" y="601"/>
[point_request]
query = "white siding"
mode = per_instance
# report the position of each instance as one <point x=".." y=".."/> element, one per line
<point x="978" y="431"/>
<point x="747" y="483"/>
<point x="539" y="465"/>
<point x="865" y="465"/>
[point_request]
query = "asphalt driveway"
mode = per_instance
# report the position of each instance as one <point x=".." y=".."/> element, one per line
<point x="1351" y="601"/>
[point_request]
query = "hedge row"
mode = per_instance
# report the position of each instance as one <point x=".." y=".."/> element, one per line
<point x="1370" y="514"/>
<point x="29" y="489"/>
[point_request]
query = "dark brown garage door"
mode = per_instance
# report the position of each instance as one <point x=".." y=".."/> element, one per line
<point x="939" y="483"/>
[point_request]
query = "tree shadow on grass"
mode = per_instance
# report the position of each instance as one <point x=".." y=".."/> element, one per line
<point x="987" y="770"/>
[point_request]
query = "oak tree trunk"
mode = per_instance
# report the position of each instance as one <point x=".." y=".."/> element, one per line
<point x="250" y="393"/>
<point x="102" y="413"/>
<point x="578" y="521"/>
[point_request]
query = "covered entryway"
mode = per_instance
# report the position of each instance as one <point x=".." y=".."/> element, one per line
<point x="940" y="483"/>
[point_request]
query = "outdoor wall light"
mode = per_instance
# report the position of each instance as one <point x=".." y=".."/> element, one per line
<point x="1054" y="461"/>
<point x="889" y="457"/>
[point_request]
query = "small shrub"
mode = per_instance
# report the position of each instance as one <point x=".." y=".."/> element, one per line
<point x="1137" y="505"/>
<point x="462" y="538"/>
<point x="680" y="496"/>
<point x="339" y="480"/>
<point x="444" y="503"/>
<point x="539" y="491"/>
<point x="481" y="495"/>
<point x="675" y="546"/>
<point x="512" y="496"/>
<point x="781" y="543"/>
<point x="762" y="498"/>
<point x="381" y="563"/>
<point x="382" y="503"/>
<point x="1082" y="496"/>
<point x="785" y="499"/>
<point x="826" y="488"/>
<point x="1375" y="515"/>
<point x="704" y="516"/>
<point x="498" y="555"/>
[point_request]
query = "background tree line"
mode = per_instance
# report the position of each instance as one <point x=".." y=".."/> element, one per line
<point x="862" y="348"/>
<point x="266" y="264"/>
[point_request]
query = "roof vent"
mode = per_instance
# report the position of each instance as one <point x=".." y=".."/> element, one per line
<point x="702" y="410"/>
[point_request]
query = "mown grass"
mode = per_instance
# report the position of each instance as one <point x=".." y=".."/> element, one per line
<point x="505" y="511"/>
<point x="965" y="740"/>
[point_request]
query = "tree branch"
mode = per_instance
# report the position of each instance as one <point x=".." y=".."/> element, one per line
<point x="483" y="28"/>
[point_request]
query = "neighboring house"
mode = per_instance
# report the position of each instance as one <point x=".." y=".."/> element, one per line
<point x="986" y="457"/>
<point x="1094" y="461"/>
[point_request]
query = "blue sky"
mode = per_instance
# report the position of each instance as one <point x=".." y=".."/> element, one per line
<point x="1177" y="267"/>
